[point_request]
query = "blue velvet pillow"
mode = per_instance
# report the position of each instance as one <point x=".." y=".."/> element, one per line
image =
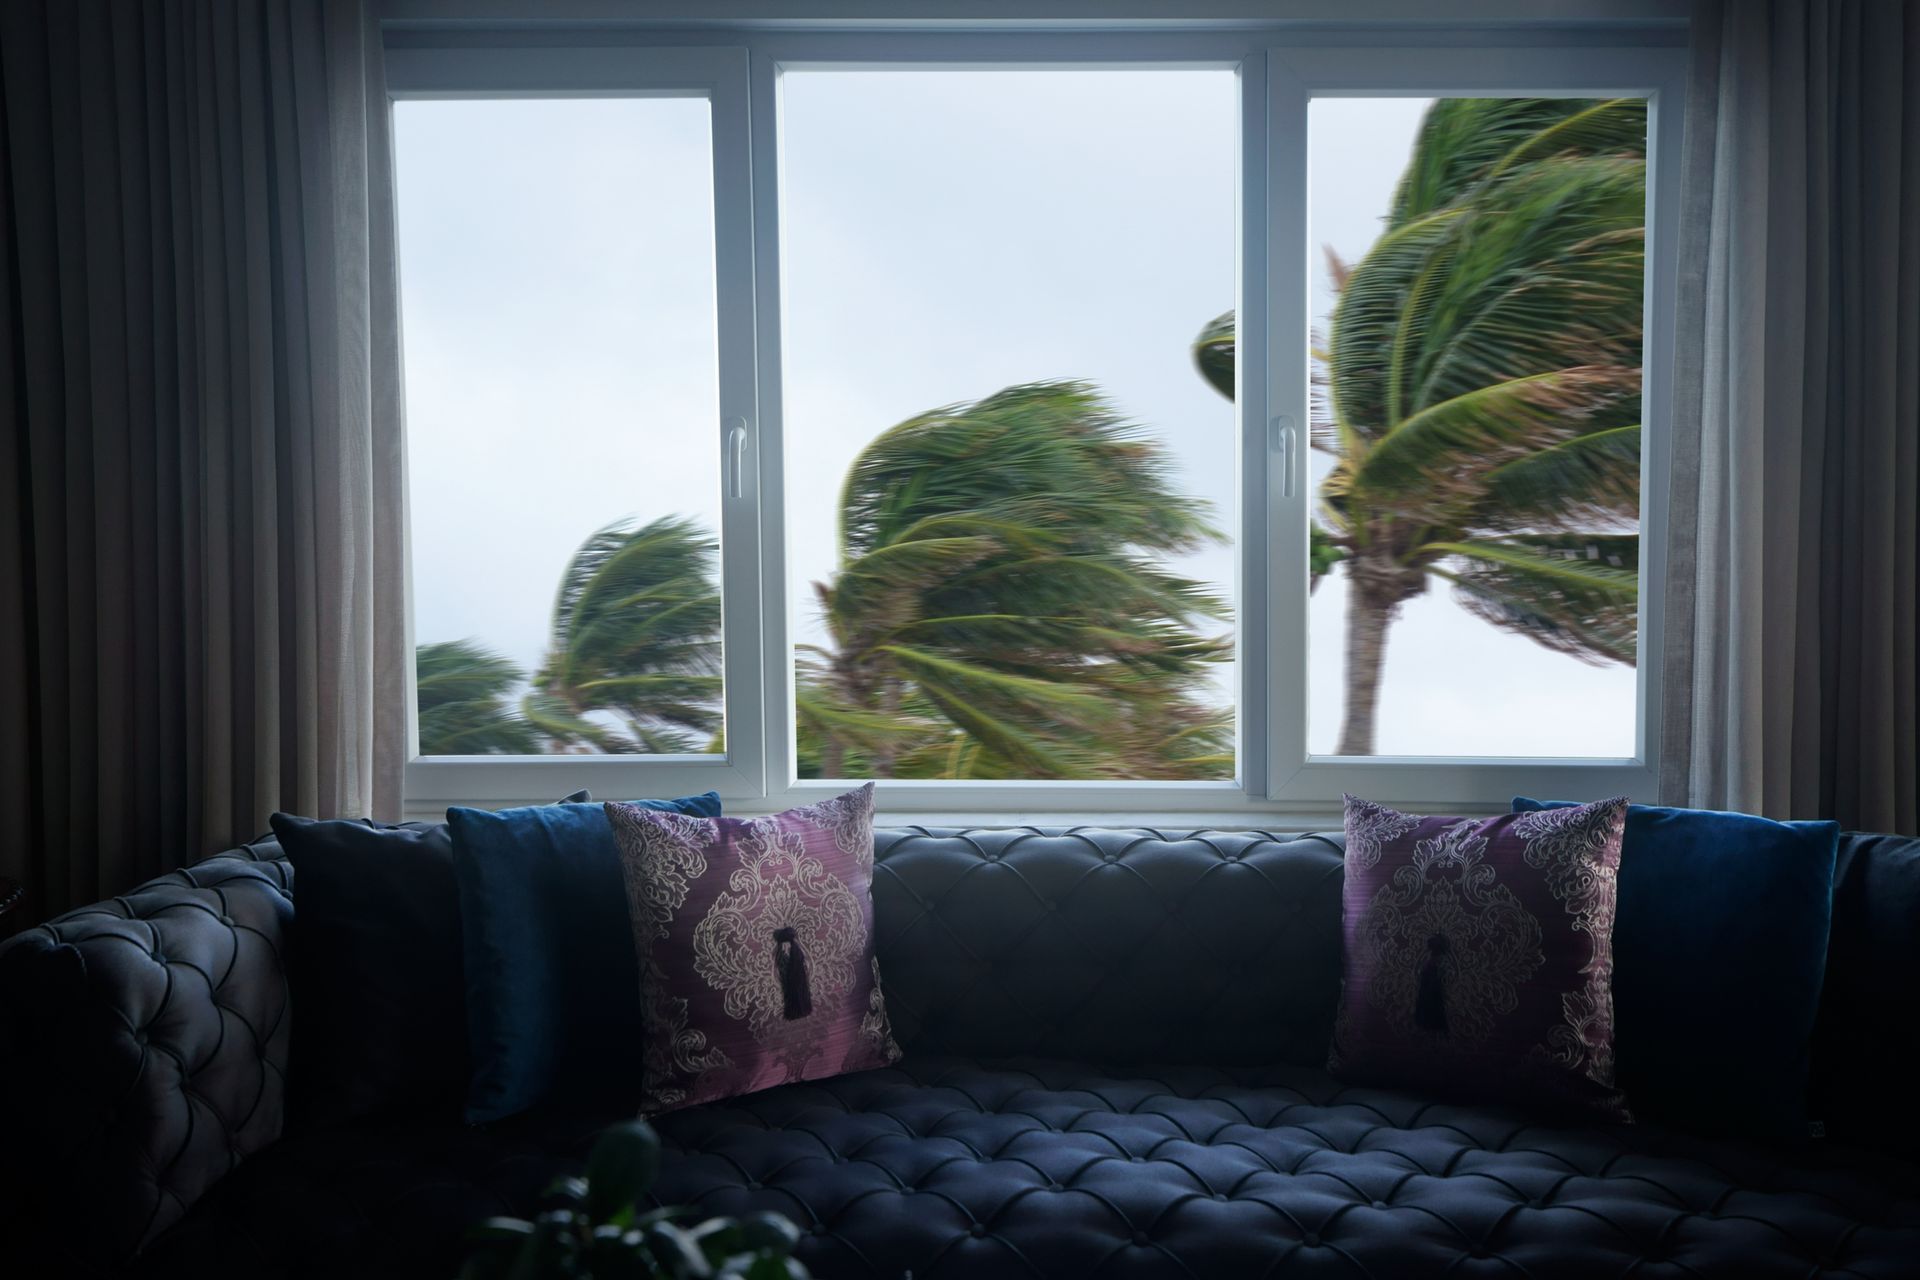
<point x="1719" y="951"/>
<point x="553" y="989"/>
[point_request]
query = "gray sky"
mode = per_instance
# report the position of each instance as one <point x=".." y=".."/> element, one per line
<point x="944" y="235"/>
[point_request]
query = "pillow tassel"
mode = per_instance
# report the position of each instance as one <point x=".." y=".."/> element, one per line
<point x="791" y="963"/>
<point x="1430" y="1002"/>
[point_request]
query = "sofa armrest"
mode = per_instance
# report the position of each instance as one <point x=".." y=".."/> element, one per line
<point x="143" y="1051"/>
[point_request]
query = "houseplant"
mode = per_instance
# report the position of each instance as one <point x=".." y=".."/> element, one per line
<point x="593" y="1228"/>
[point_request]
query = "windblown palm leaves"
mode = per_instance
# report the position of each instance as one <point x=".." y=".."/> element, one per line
<point x="463" y="691"/>
<point x="1482" y="373"/>
<point x="1000" y="610"/>
<point x="634" y="662"/>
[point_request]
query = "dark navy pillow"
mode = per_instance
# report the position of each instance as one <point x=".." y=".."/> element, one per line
<point x="1719" y="950"/>
<point x="375" y="967"/>
<point x="553" y="989"/>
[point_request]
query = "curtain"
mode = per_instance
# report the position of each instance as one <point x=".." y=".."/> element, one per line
<point x="1792" y="600"/>
<point x="202" y="612"/>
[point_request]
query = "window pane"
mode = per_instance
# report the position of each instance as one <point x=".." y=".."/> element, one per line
<point x="557" y="291"/>
<point x="1010" y="487"/>
<point x="1477" y="321"/>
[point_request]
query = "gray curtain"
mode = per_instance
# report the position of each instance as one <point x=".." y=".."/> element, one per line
<point x="201" y="528"/>
<point x="1793" y="598"/>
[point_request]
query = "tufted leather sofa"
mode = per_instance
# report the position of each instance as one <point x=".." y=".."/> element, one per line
<point x="1113" y="1037"/>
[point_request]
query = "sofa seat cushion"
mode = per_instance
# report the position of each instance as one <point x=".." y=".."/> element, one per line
<point x="947" y="1167"/>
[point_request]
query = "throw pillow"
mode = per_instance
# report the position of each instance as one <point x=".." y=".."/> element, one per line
<point x="375" y="968"/>
<point x="1868" y="1036"/>
<point x="755" y="939"/>
<point x="1719" y="954"/>
<point x="1478" y="954"/>
<point x="550" y="974"/>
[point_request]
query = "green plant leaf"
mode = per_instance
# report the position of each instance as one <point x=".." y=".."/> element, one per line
<point x="623" y="1163"/>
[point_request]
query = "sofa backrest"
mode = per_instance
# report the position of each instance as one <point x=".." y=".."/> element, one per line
<point x="1109" y="945"/>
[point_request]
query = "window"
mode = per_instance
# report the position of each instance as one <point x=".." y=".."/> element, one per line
<point x="557" y="304"/>
<point x="1009" y="491"/>
<point x="1025" y="419"/>
<point x="1477" y="300"/>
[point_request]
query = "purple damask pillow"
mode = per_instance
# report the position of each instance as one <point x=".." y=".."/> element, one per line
<point x="1479" y="954"/>
<point x="755" y="939"/>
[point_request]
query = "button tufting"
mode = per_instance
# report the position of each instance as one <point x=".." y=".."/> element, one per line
<point x="1310" y="1240"/>
<point x="1220" y="1195"/>
<point x="1140" y="1237"/>
<point x="977" y="1230"/>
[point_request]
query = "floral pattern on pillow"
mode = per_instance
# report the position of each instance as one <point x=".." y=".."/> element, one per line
<point x="1479" y="953"/>
<point x="755" y="940"/>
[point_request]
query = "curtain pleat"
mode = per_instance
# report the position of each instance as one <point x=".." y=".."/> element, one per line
<point x="202" y="608"/>
<point x="1793" y="607"/>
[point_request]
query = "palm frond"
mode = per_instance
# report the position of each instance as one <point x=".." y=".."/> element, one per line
<point x="1466" y="142"/>
<point x="1609" y="126"/>
<point x="1428" y="459"/>
<point x="463" y="689"/>
<point x="1002" y="575"/>
<point x="636" y="634"/>
<point x="559" y="721"/>
<point x="1591" y="476"/>
<point x="1576" y="594"/>
<point x="1213" y="353"/>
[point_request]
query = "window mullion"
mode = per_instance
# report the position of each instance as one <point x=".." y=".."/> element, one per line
<point x="777" y="737"/>
<point x="1281" y="431"/>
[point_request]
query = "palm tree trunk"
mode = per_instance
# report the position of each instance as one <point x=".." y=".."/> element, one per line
<point x="832" y="756"/>
<point x="1370" y="611"/>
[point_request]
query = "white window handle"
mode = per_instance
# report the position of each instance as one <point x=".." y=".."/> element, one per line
<point x="737" y="457"/>
<point x="1283" y="444"/>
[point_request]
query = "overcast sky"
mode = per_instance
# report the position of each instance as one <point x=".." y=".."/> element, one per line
<point x="945" y="234"/>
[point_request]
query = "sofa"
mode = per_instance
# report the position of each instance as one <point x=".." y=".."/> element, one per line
<point x="1114" y="1067"/>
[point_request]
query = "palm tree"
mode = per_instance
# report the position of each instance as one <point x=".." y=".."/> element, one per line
<point x="634" y="662"/>
<point x="1482" y="386"/>
<point x="1000" y="610"/>
<point x="462" y="697"/>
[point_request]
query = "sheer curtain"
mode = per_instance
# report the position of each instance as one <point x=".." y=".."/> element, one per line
<point x="1793" y="596"/>
<point x="201" y="525"/>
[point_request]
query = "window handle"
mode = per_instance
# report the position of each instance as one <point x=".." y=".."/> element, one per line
<point x="737" y="457"/>
<point x="1283" y="444"/>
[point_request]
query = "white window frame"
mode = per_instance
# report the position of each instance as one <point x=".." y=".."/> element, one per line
<point x="720" y="76"/>
<point x="1279" y="71"/>
<point x="1304" y="780"/>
